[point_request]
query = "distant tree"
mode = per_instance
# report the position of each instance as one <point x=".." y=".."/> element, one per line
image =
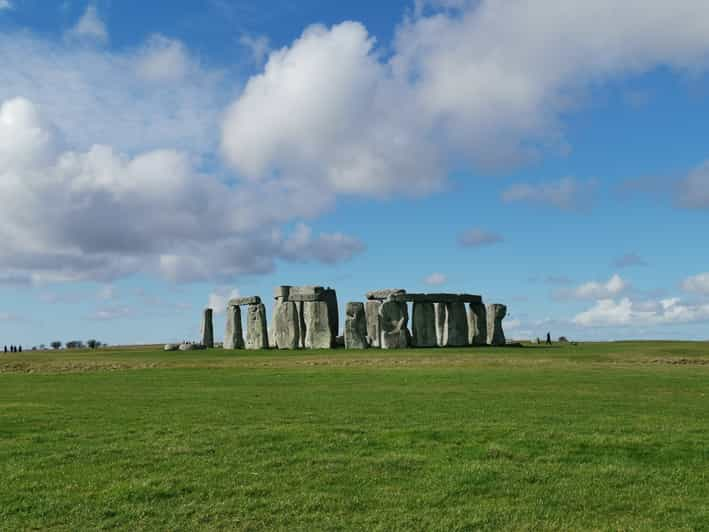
<point x="19" y="349"/>
<point x="74" y="344"/>
<point x="42" y="347"/>
<point x="93" y="344"/>
<point x="6" y="349"/>
<point x="56" y="344"/>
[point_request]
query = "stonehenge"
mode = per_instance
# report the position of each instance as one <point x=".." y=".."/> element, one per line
<point x="307" y="317"/>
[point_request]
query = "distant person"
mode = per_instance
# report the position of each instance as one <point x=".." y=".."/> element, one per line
<point x="548" y="338"/>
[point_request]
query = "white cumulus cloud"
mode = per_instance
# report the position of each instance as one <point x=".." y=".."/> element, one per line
<point x="100" y="214"/>
<point x="625" y="312"/>
<point x="484" y="83"/>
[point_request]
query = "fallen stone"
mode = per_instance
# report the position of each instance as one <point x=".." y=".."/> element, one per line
<point x="355" y="326"/>
<point x="250" y="300"/>
<point x="171" y="347"/>
<point x="234" y="334"/>
<point x="495" y="314"/>
<point x="191" y="347"/>
<point x="371" y="312"/>
<point x="256" y="327"/>
<point x="423" y="325"/>
<point x="207" y="328"/>
<point x="318" y="334"/>
<point x="381" y="295"/>
<point x="477" y="324"/>
<point x="393" y="319"/>
<point x="455" y="328"/>
<point x="286" y="325"/>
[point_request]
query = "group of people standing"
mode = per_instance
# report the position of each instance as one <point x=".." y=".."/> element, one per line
<point x="13" y="349"/>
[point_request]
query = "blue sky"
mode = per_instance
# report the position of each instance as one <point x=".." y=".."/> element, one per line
<point x="157" y="158"/>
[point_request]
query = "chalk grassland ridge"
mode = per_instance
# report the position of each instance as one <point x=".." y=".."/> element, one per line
<point x="589" y="437"/>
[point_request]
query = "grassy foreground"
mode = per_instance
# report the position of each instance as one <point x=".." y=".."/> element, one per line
<point x="595" y="436"/>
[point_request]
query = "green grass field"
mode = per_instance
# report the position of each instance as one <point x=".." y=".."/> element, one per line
<point x="589" y="437"/>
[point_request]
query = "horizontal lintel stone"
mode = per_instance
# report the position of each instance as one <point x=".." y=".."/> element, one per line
<point x="249" y="300"/>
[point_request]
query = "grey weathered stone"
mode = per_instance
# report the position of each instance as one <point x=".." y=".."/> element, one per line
<point x="318" y="334"/>
<point x="302" y="327"/>
<point x="305" y="291"/>
<point x="249" y="300"/>
<point x="207" y="332"/>
<point x="438" y="298"/>
<point x="423" y="325"/>
<point x="171" y="347"/>
<point x="393" y="319"/>
<point x="477" y="324"/>
<point x="355" y="326"/>
<point x="330" y="297"/>
<point x="495" y="314"/>
<point x="286" y="325"/>
<point x="440" y="315"/>
<point x="281" y="292"/>
<point x="234" y="334"/>
<point x="455" y="328"/>
<point x="371" y="311"/>
<point x="191" y="347"/>
<point x="256" y="327"/>
<point x="381" y="295"/>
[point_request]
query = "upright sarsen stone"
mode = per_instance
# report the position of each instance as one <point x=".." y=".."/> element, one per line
<point x="207" y="328"/>
<point x="256" y="327"/>
<point x="424" y="325"/>
<point x="495" y="314"/>
<point x="477" y="324"/>
<point x="233" y="335"/>
<point x="355" y="326"/>
<point x="440" y="313"/>
<point x="455" y="329"/>
<point x="393" y="317"/>
<point x="286" y="325"/>
<point x="371" y="311"/>
<point x="318" y="334"/>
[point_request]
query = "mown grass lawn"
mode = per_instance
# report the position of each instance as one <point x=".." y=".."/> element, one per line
<point x="596" y="436"/>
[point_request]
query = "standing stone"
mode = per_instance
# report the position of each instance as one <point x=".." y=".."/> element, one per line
<point x="495" y="314"/>
<point x="233" y="335"/>
<point x="455" y="329"/>
<point x="318" y="334"/>
<point x="424" y="325"/>
<point x="477" y="324"/>
<point x="371" y="311"/>
<point x="256" y="327"/>
<point x="440" y="315"/>
<point x="207" y="328"/>
<point x="302" y="327"/>
<point x="330" y="297"/>
<point x="393" y="319"/>
<point x="355" y="326"/>
<point x="286" y="326"/>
